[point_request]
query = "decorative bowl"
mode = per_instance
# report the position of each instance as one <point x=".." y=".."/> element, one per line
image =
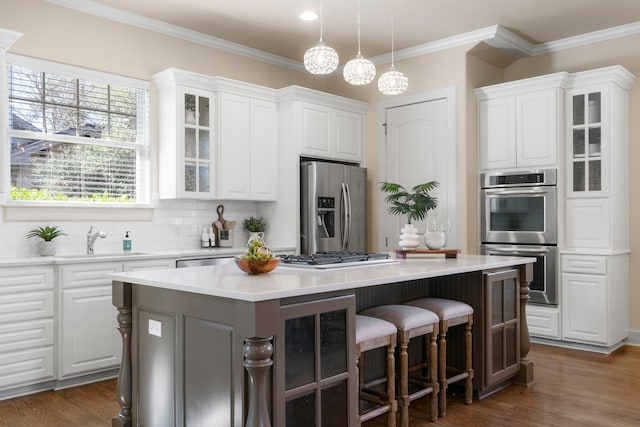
<point x="257" y="266"/>
<point x="434" y="240"/>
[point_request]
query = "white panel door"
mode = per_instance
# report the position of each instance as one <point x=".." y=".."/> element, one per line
<point x="497" y="133"/>
<point x="316" y="131"/>
<point x="537" y="129"/>
<point x="349" y="136"/>
<point x="90" y="339"/>
<point x="419" y="149"/>
<point x="584" y="308"/>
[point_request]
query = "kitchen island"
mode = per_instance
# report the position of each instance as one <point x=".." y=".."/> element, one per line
<point x="213" y="346"/>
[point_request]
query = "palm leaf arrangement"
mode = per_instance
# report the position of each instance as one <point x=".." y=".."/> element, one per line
<point x="413" y="204"/>
<point x="46" y="233"/>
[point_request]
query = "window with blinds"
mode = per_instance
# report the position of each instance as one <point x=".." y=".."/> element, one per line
<point x="76" y="135"/>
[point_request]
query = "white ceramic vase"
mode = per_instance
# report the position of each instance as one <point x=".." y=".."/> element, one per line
<point x="409" y="238"/>
<point x="255" y="235"/>
<point x="434" y="240"/>
<point x="47" y="248"/>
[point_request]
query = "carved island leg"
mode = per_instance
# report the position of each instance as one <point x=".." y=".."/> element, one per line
<point x="526" y="366"/>
<point x="258" y="362"/>
<point x="122" y="301"/>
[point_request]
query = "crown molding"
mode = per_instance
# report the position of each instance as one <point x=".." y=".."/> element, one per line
<point x="496" y="36"/>
<point x="111" y="13"/>
<point x="588" y="38"/>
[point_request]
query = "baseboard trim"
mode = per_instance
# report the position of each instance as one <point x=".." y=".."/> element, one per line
<point x="634" y="337"/>
<point x="578" y="346"/>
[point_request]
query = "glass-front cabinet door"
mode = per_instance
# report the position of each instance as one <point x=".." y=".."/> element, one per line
<point x="587" y="144"/>
<point x="196" y="126"/>
<point x="316" y="383"/>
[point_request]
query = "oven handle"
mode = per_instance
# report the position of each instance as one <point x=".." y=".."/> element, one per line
<point x="520" y="250"/>
<point x="514" y="192"/>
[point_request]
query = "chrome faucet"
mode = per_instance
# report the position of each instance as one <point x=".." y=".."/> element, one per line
<point x="91" y="239"/>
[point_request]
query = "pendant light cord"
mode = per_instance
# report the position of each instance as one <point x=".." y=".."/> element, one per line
<point x="321" y="21"/>
<point x="359" y="27"/>
<point x="392" y="40"/>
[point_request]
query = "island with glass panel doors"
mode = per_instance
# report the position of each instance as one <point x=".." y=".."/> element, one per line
<point x="213" y="346"/>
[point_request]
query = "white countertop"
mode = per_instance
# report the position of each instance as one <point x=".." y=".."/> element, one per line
<point x="135" y="255"/>
<point x="228" y="281"/>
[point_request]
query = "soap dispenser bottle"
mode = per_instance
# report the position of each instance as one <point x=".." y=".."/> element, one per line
<point x="204" y="239"/>
<point x="126" y="242"/>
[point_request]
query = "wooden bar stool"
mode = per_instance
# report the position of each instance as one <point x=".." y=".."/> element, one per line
<point x="412" y="322"/>
<point x="372" y="333"/>
<point x="451" y="313"/>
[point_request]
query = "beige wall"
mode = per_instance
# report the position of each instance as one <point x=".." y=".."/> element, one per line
<point x="70" y="37"/>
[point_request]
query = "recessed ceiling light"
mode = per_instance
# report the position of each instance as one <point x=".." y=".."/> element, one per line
<point x="308" y="16"/>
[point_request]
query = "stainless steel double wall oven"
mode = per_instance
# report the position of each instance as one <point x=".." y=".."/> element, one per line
<point x="519" y="218"/>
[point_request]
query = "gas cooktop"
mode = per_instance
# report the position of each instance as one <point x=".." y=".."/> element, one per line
<point x="335" y="259"/>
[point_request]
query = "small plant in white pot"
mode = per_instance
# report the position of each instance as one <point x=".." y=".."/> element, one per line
<point x="413" y="204"/>
<point x="255" y="226"/>
<point x="47" y="247"/>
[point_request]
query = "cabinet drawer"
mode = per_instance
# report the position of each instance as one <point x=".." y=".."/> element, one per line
<point x="543" y="321"/>
<point x="584" y="264"/>
<point x="88" y="275"/>
<point x="26" y="306"/>
<point x="26" y="367"/>
<point x="26" y="335"/>
<point x="27" y="279"/>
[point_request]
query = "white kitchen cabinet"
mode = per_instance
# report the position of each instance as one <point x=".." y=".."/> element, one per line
<point x="595" y="272"/>
<point x="596" y="160"/>
<point x="595" y="306"/>
<point x="89" y="341"/>
<point x="26" y="326"/>
<point x="327" y="126"/>
<point x="217" y="138"/>
<point x="186" y="136"/>
<point x="248" y="138"/>
<point x="543" y="321"/>
<point x="519" y="125"/>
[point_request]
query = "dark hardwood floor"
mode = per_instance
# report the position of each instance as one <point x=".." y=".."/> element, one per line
<point x="573" y="388"/>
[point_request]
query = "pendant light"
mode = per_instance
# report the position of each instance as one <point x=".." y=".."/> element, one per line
<point x="393" y="82"/>
<point x="359" y="71"/>
<point x="321" y="59"/>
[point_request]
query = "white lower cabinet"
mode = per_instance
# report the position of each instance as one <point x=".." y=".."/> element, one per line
<point x="595" y="309"/>
<point x="26" y="326"/>
<point x="88" y="335"/>
<point x="543" y="321"/>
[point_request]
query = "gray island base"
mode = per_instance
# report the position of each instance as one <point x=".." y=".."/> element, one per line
<point x="212" y="346"/>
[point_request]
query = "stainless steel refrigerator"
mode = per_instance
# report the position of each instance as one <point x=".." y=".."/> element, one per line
<point x="332" y="202"/>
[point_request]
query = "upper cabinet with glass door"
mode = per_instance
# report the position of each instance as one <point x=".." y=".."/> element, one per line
<point x="186" y="135"/>
<point x="597" y="131"/>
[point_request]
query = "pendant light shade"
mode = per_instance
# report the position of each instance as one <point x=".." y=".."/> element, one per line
<point x="321" y="59"/>
<point x="393" y="82"/>
<point x="359" y="71"/>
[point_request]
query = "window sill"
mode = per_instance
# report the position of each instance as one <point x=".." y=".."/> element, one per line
<point x="47" y="212"/>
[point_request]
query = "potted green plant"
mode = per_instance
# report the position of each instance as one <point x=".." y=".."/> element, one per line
<point x="414" y="204"/>
<point x="47" y="246"/>
<point x="255" y="226"/>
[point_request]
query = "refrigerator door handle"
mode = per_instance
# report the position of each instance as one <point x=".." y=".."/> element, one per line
<point x="348" y="217"/>
<point x="343" y="217"/>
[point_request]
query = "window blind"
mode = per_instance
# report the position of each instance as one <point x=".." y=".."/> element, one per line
<point x="75" y="138"/>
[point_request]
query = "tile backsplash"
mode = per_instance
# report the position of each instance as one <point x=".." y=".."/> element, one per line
<point x="176" y="225"/>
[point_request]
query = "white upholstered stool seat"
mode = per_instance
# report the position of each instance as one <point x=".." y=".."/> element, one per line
<point x="412" y="322"/>
<point x="372" y="333"/>
<point x="451" y="313"/>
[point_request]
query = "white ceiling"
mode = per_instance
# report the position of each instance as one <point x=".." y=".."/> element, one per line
<point x="273" y="26"/>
